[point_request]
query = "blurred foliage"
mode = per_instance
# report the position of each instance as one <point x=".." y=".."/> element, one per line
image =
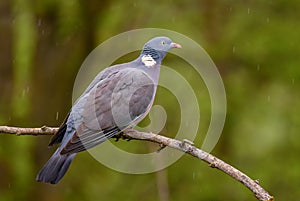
<point x="254" y="44"/>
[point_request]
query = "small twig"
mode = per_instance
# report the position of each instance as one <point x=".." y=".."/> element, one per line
<point x="184" y="146"/>
<point x="44" y="130"/>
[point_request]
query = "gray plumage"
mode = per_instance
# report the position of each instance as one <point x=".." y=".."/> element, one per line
<point x="118" y="98"/>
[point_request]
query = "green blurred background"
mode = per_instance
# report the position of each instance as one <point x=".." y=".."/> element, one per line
<point x="255" y="45"/>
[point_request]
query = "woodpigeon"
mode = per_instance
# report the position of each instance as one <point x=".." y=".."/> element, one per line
<point x="118" y="98"/>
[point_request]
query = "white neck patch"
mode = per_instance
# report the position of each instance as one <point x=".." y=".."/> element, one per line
<point x="148" y="61"/>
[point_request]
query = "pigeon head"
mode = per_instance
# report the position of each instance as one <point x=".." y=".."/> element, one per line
<point x="156" y="49"/>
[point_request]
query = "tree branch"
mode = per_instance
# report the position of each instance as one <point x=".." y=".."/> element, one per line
<point x="184" y="146"/>
<point x="44" y="130"/>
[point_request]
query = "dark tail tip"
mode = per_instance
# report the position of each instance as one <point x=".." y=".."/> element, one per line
<point x="55" y="168"/>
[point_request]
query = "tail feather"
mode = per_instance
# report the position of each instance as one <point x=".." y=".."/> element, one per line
<point x="55" y="168"/>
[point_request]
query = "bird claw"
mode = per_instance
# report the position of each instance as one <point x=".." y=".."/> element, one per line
<point x="121" y="136"/>
<point x="117" y="137"/>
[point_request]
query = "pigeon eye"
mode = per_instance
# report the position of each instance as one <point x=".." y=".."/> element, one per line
<point x="163" y="42"/>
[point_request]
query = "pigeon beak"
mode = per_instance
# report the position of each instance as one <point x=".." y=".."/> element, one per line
<point x="175" y="45"/>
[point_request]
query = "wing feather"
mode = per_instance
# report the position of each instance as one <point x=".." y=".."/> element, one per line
<point x="89" y="139"/>
<point x="129" y="93"/>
